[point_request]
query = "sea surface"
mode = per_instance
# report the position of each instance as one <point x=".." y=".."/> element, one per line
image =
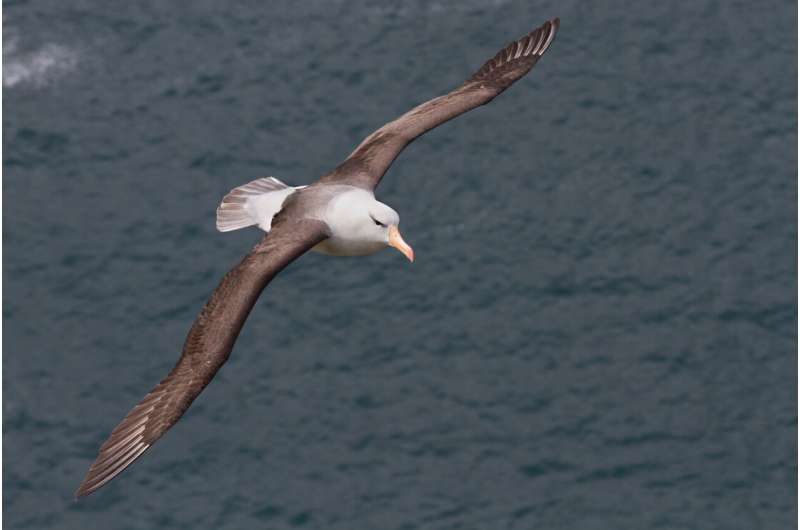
<point x="599" y="331"/>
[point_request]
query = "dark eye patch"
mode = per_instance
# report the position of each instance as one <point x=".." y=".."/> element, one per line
<point x="377" y="222"/>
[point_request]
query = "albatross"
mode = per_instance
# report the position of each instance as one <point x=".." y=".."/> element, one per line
<point x="338" y="215"/>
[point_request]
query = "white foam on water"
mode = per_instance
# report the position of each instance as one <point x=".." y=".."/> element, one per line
<point x="36" y="67"/>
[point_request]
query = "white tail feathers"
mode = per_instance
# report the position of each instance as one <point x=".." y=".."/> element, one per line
<point x="239" y="210"/>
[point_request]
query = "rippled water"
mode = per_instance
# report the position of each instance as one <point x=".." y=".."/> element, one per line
<point x="599" y="331"/>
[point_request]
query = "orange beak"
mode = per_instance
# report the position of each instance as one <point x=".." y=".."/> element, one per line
<point x="396" y="241"/>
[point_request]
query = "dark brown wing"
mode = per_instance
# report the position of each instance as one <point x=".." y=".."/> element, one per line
<point x="366" y="165"/>
<point x="207" y="347"/>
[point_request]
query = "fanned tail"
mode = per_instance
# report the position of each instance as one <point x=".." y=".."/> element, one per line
<point x="236" y="211"/>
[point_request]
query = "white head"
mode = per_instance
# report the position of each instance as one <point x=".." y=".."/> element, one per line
<point x="385" y="222"/>
<point x="360" y="224"/>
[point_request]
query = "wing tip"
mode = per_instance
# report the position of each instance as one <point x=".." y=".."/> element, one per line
<point x="554" y="24"/>
<point x="104" y="469"/>
<point x="83" y="490"/>
<point x="544" y="36"/>
<point x="123" y="447"/>
<point x="525" y="51"/>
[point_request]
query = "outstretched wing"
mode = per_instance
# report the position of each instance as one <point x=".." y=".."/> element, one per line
<point x="366" y="165"/>
<point x="207" y="347"/>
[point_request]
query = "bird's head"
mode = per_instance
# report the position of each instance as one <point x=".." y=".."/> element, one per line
<point x="363" y="225"/>
<point x="383" y="226"/>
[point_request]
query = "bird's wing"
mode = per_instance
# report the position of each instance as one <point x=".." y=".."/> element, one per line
<point x="207" y="347"/>
<point x="366" y="165"/>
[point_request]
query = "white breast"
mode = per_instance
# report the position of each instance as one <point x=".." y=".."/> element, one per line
<point x="352" y="230"/>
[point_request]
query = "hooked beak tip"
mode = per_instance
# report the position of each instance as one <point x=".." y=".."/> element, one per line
<point x="396" y="241"/>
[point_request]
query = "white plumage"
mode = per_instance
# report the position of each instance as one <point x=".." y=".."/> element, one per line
<point x="254" y="203"/>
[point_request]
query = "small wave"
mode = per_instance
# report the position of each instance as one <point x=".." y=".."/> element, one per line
<point x="36" y="67"/>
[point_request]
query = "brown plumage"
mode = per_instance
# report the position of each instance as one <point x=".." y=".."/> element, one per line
<point x="295" y="229"/>
<point x="206" y="349"/>
<point x="366" y="165"/>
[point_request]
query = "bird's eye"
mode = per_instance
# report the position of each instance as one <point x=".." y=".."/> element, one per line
<point x="377" y="222"/>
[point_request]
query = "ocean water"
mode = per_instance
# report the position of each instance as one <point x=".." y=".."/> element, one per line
<point x="599" y="331"/>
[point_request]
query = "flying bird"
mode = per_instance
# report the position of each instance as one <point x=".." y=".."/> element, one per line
<point x="338" y="215"/>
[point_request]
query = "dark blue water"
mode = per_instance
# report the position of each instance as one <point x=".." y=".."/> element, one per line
<point x="599" y="331"/>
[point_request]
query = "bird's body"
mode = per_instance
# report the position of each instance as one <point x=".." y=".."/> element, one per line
<point x="340" y="206"/>
<point x="337" y="215"/>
